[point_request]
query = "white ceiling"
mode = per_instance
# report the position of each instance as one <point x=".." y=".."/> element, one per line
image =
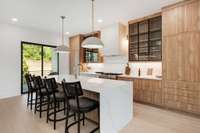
<point x="44" y="14"/>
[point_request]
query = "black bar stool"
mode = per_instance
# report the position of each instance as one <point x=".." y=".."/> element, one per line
<point x="31" y="90"/>
<point x="79" y="105"/>
<point x="41" y="95"/>
<point x="55" y="98"/>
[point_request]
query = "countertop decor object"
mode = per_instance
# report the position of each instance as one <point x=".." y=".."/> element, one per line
<point x="62" y="48"/>
<point x="139" y="72"/>
<point x="127" y="69"/>
<point x="92" y="42"/>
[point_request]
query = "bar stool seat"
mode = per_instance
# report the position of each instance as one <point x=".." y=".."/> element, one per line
<point x="85" y="104"/>
<point x="59" y="96"/>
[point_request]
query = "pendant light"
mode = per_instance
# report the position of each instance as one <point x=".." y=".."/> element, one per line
<point x="62" y="48"/>
<point x="92" y="42"/>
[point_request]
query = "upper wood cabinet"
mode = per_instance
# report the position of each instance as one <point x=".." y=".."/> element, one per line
<point x="79" y="55"/>
<point x="74" y="55"/>
<point x="145" y="39"/>
<point x="181" y="18"/>
<point x="91" y="55"/>
<point x="112" y="36"/>
<point x="181" y="38"/>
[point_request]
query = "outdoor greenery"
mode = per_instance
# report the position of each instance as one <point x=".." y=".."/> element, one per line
<point x="25" y="69"/>
<point x="33" y="52"/>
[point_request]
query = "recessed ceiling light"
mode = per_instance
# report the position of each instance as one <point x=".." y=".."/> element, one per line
<point x="99" y="20"/>
<point x="67" y="33"/>
<point x="14" y="19"/>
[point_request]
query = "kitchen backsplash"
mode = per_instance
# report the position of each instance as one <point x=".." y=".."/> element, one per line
<point x="120" y="68"/>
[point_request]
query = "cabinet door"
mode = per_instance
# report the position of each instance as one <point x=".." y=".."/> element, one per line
<point x="74" y="52"/>
<point x="110" y="38"/>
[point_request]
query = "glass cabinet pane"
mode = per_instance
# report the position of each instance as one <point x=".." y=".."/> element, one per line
<point x="143" y="27"/>
<point x="155" y="24"/>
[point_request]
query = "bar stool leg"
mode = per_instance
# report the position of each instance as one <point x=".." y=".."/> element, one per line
<point x="64" y="107"/>
<point x="28" y="98"/>
<point x="36" y="102"/>
<point x="78" y="122"/>
<point x="47" y="120"/>
<point x="66" y="122"/>
<point x="40" y="107"/>
<point x="54" y="120"/>
<point x="31" y="100"/>
<point x="83" y="119"/>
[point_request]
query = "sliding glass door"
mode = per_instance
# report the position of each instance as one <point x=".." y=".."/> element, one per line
<point x="37" y="59"/>
<point x="50" y="61"/>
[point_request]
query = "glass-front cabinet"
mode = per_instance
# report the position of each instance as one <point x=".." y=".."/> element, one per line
<point x="90" y="55"/>
<point x="145" y="39"/>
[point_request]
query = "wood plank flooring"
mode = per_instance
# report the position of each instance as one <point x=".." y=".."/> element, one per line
<point x="16" y="118"/>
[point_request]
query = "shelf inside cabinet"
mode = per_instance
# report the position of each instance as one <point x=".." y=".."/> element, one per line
<point x="155" y="30"/>
<point x="155" y="39"/>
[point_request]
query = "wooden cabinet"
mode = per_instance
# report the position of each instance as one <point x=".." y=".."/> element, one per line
<point x="145" y="39"/>
<point x="148" y="91"/>
<point x="91" y="55"/>
<point x="79" y="55"/>
<point x="75" y="44"/>
<point x="181" y="56"/>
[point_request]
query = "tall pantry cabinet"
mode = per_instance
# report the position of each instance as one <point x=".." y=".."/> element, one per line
<point x="181" y="56"/>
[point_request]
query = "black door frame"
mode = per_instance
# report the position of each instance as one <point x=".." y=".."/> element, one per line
<point x="42" y="60"/>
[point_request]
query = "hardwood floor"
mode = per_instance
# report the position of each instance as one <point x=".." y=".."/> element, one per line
<point x="150" y="119"/>
<point x="16" y="118"/>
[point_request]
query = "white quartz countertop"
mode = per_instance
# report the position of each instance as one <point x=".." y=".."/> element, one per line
<point x="151" y="77"/>
<point x="92" y="83"/>
<point x="141" y="77"/>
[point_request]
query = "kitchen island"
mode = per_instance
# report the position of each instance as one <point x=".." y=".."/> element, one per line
<point x="115" y="97"/>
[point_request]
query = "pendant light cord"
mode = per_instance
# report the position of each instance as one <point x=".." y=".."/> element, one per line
<point x="92" y="15"/>
<point x="63" y="34"/>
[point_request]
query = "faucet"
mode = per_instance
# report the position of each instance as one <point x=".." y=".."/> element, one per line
<point x="77" y="70"/>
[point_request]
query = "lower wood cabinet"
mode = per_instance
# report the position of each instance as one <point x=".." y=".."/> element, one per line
<point x="182" y="95"/>
<point x="148" y="91"/>
<point x="177" y="95"/>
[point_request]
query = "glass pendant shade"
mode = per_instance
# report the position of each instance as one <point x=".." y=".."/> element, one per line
<point x="62" y="48"/>
<point x="92" y="42"/>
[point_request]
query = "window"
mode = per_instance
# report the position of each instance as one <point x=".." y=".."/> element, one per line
<point x="37" y="59"/>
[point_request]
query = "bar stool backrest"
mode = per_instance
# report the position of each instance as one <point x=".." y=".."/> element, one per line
<point x="29" y="81"/>
<point x="72" y="89"/>
<point x="38" y="83"/>
<point x="51" y="86"/>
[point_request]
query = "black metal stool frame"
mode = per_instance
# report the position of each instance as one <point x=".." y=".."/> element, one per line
<point x="41" y="95"/>
<point x="51" y="85"/>
<point x="77" y="92"/>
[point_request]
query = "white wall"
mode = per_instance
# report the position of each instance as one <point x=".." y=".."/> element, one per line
<point x="10" y="55"/>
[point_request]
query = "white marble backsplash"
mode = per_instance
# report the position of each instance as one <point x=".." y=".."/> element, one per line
<point x="120" y="68"/>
